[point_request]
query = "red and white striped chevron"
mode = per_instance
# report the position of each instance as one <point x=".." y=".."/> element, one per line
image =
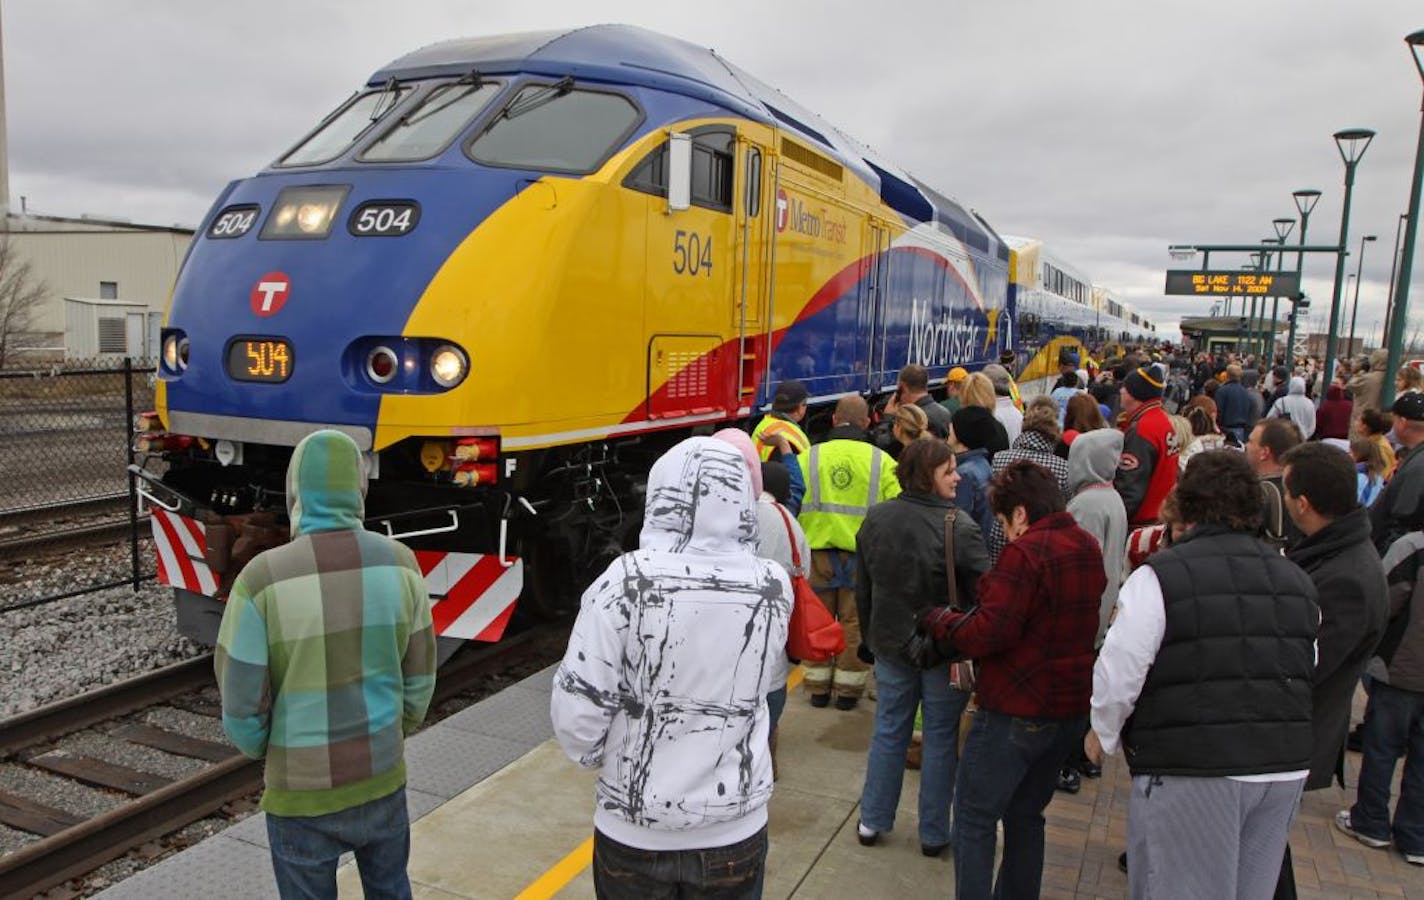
<point x="472" y="594"/>
<point x="182" y="547"/>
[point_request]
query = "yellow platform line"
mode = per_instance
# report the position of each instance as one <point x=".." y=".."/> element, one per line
<point x="557" y="878"/>
<point x="570" y="867"/>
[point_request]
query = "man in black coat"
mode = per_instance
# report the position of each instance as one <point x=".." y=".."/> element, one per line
<point x="1337" y="554"/>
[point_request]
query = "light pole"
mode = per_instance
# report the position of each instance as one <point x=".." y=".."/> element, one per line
<point x="1411" y="231"/>
<point x="1258" y="264"/>
<point x="1389" y="291"/>
<point x="1355" y="306"/>
<point x="1352" y="144"/>
<point x="1305" y="200"/>
<point x="1283" y="228"/>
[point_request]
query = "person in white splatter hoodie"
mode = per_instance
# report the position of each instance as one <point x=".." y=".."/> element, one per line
<point x="663" y="687"/>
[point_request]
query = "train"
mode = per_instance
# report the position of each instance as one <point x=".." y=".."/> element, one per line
<point x="515" y="269"/>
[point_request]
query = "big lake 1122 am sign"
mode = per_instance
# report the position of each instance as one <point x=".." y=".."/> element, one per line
<point x="1190" y="282"/>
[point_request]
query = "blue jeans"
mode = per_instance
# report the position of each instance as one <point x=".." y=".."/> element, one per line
<point x="775" y="703"/>
<point x="305" y="849"/>
<point x="1394" y="727"/>
<point x="1009" y="771"/>
<point x="901" y="690"/>
<point x="733" y="872"/>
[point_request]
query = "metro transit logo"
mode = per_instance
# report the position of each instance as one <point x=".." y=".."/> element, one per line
<point x="270" y="293"/>
<point x="783" y="209"/>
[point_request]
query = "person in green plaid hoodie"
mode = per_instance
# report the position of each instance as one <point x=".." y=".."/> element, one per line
<point x="325" y="661"/>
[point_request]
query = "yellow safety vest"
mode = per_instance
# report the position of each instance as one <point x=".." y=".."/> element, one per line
<point x="844" y="478"/>
<point x="771" y="423"/>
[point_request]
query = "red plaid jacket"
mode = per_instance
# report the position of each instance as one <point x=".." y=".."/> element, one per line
<point x="1032" y="632"/>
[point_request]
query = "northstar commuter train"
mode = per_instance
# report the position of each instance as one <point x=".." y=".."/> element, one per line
<point x="515" y="269"/>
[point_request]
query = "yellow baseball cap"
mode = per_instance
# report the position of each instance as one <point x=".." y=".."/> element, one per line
<point x="957" y="373"/>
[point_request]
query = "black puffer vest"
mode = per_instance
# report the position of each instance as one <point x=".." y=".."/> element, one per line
<point x="1229" y="691"/>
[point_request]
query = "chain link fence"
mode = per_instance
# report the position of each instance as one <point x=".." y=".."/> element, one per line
<point x="66" y="434"/>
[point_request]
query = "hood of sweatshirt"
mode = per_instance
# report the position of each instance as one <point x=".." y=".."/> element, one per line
<point x="700" y="501"/>
<point x="1093" y="458"/>
<point x="1297" y="386"/>
<point x="326" y="484"/>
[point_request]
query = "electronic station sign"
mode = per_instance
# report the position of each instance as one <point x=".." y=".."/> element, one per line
<point x="1191" y="282"/>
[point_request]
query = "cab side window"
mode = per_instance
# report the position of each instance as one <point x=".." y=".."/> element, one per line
<point x="713" y="169"/>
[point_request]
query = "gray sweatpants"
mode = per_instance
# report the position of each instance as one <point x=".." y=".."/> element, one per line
<point x="1208" y="838"/>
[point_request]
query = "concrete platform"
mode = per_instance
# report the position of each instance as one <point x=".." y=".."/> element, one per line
<point x="499" y="812"/>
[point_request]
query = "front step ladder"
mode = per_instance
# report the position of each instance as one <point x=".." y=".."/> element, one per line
<point x="749" y="375"/>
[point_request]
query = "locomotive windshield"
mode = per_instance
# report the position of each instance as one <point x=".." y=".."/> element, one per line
<point x="555" y="127"/>
<point x="340" y="130"/>
<point x="433" y="123"/>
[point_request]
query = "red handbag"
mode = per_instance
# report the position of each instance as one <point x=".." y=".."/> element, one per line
<point x="814" y="634"/>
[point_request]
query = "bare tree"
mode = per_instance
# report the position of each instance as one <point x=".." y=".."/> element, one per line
<point x="21" y="296"/>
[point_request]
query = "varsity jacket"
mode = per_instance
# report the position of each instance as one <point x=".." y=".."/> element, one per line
<point x="1149" y="463"/>
<point x="326" y="654"/>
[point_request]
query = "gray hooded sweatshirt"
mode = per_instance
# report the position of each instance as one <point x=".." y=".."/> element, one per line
<point x="1297" y="407"/>
<point x="1098" y="508"/>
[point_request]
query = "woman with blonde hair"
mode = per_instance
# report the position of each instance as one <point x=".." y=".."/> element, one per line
<point x="1204" y="435"/>
<point x="909" y="424"/>
<point x="979" y="391"/>
<point x="1369" y="464"/>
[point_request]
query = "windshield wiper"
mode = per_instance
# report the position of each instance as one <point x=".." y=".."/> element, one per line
<point x="389" y="91"/>
<point x="471" y="81"/>
<point x="539" y="97"/>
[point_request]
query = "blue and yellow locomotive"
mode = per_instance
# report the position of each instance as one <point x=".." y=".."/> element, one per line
<point x="514" y="269"/>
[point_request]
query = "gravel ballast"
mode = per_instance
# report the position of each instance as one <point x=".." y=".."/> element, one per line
<point x="67" y="647"/>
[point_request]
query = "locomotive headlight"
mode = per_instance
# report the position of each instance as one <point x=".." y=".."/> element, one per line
<point x="304" y="212"/>
<point x="314" y="218"/>
<point x="448" y="365"/>
<point x="175" y="351"/>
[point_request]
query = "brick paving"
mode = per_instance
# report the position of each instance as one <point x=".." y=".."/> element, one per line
<point x="1087" y="831"/>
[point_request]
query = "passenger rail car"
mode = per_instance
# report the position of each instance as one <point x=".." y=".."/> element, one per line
<point x="514" y="269"/>
<point x="1055" y="307"/>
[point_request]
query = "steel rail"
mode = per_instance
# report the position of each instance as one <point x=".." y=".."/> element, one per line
<point x="80" y="506"/>
<point x="65" y="716"/>
<point x="83" y="848"/>
<point x="84" y="535"/>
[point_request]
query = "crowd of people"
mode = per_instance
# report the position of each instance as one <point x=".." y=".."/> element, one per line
<point x="1170" y="558"/>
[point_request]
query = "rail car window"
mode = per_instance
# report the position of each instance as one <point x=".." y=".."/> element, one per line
<point x="430" y="126"/>
<point x="341" y="129"/>
<point x="713" y="168"/>
<point x="553" y="126"/>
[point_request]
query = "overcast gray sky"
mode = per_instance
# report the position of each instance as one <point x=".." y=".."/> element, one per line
<point x="1108" y="128"/>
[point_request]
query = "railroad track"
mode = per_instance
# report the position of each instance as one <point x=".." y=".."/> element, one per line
<point x="60" y="527"/>
<point x="29" y="543"/>
<point x="70" y="846"/>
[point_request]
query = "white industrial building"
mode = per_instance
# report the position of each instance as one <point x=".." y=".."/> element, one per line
<point x="107" y="285"/>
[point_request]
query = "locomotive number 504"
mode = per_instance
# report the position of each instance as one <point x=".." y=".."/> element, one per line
<point x="691" y="253"/>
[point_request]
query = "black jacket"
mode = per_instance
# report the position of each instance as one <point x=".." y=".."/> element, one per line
<point x="900" y="560"/>
<point x="1354" y="607"/>
<point x="1229" y="691"/>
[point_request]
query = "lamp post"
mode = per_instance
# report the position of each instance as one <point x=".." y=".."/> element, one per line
<point x="1400" y="316"/>
<point x="1258" y="264"/>
<point x="1389" y="291"/>
<point x="1352" y="144"/>
<point x="1355" y="306"/>
<point x="1283" y="228"/>
<point x="1305" y="200"/>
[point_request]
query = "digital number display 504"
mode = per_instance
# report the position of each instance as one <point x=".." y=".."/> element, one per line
<point x="260" y="359"/>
